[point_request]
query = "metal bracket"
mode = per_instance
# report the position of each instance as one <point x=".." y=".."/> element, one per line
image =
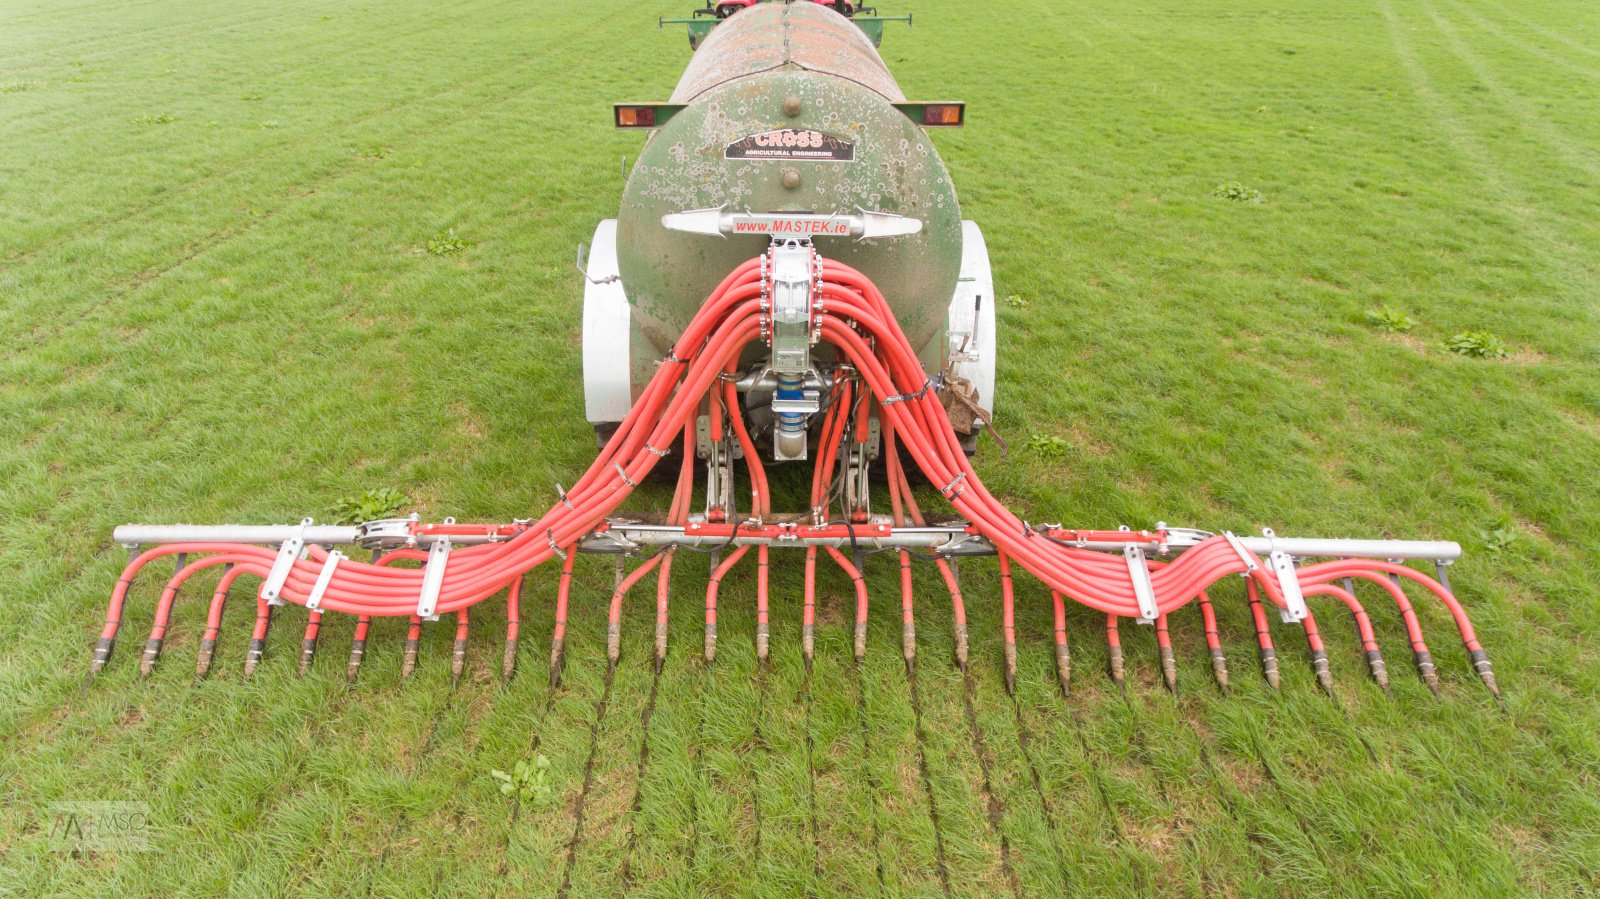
<point x="292" y="549"/>
<point x="583" y="268"/>
<point x="433" y="579"/>
<point x="1243" y="554"/>
<point x="1143" y="590"/>
<point x="1294" y="610"/>
<point x="314" y="601"/>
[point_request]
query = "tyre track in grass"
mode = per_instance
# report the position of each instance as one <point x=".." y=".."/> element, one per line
<point x="142" y="39"/>
<point x="192" y="255"/>
<point x="1576" y="157"/>
<point x="1548" y="33"/>
<point x="130" y="285"/>
<point x="1521" y="213"/>
<point x="1489" y="27"/>
<point x="274" y="152"/>
<point x="75" y="121"/>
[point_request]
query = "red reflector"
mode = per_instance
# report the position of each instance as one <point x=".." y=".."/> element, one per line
<point x="636" y="116"/>
<point x="942" y="114"/>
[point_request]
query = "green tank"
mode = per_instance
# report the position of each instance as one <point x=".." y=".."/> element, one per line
<point x="784" y="108"/>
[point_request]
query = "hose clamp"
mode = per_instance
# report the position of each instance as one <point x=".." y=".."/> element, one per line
<point x="433" y="579"/>
<point x="562" y="493"/>
<point x="659" y="454"/>
<point x="623" y="474"/>
<point x="1143" y="590"/>
<point x="292" y="550"/>
<point x="550" y="534"/>
<point x="320" y="588"/>
<point x="945" y="492"/>
<point x="1243" y="554"/>
<point x="1294" y="601"/>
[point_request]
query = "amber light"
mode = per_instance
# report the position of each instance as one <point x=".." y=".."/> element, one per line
<point x="942" y="113"/>
<point x="636" y="117"/>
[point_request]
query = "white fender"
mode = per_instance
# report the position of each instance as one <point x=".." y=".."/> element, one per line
<point x="971" y="322"/>
<point x="607" y="327"/>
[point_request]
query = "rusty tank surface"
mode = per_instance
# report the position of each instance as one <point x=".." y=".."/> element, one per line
<point x="784" y="108"/>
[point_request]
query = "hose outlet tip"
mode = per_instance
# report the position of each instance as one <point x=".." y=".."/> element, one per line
<point x="1064" y="669"/>
<point x="1319" y="664"/>
<point x="458" y="660"/>
<point x="711" y="644"/>
<point x="1380" y="672"/>
<point x="861" y="641"/>
<point x="1169" y="669"/>
<point x="152" y="651"/>
<point x="102" y="654"/>
<point x="1219" y="668"/>
<point x="358" y="651"/>
<point x="253" y="657"/>
<point x="1480" y="664"/>
<point x="508" y="662"/>
<point x="613" y="642"/>
<point x="308" y="651"/>
<point x="1117" y="671"/>
<point x="408" y="662"/>
<point x="202" y="664"/>
<point x="556" y="655"/>
<point x="1430" y="675"/>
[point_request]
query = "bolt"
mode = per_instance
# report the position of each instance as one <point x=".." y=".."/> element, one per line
<point x="791" y="106"/>
<point x="791" y="179"/>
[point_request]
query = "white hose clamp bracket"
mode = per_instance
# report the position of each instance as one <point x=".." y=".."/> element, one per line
<point x="1282" y="564"/>
<point x="1243" y="554"/>
<point x="292" y="550"/>
<point x="433" y="579"/>
<point x="320" y="588"/>
<point x="1143" y="590"/>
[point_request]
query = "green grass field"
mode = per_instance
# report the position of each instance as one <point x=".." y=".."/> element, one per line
<point x="217" y="305"/>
